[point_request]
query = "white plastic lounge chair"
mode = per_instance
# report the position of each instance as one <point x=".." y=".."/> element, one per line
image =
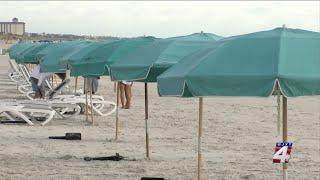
<point x="53" y="93"/>
<point x="63" y="109"/>
<point x="15" y="111"/>
<point x="64" y="103"/>
<point x="100" y="106"/>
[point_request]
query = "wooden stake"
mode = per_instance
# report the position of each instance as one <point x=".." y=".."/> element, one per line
<point x="84" y="85"/>
<point x="86" y="92"/>
<point x="279" y="108"/>
<point x="146" y="119"/>
<point x="117" y="112"/>
<point x="91" y="103"/>
<point x="199" y="138"/>
<point x="284" y="132"/>
<point x="75" y="85"/>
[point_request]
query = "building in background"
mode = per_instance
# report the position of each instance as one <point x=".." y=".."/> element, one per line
<point x="15" y="27"/>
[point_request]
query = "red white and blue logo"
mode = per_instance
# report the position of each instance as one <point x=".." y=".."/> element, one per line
<point x="282" y="152"/>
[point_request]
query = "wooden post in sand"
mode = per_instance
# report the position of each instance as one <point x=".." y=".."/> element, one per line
<point x="279" y="108"/>
<point x="91" y="104"/>
<point x="199" y="139"/>
<point x="55" y="79"/>
<point x="284" y="132"/>
<point x="75" y="85"/>
<point x="146" y="119"/>
<point x="84" y="85"/>
<point x="117" y="111"/>
<point x="86" y="92"/>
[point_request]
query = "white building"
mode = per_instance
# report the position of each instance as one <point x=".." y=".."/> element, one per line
<point x="15" y="27"/>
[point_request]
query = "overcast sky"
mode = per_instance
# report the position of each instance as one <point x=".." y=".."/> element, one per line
<point x="161" y="19"/>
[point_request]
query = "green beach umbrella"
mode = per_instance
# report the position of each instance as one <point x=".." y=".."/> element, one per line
<point x="77" y="62"/>
<point x="16" y="52"/>
<point x="95" y="59"/>
<point x="13" y="48"/>
<point x="146" y="63"/>
<point x="17" y="49"/>
<point x="281" y="61"/>
<point x="51" y="56"/>
<point x="30" y="55"/>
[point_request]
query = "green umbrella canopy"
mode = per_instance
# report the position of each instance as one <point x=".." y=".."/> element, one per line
<point x="17" y="49"/>
<point x="30" y="55"/>
<point x="80" y="62"/>
<point x="84" y="53"/>
<point x="13" y="48"/>
<point x="249" y="65"/>
<point x="51" y="56"/>
<point x="94" y="60"/>
<point x="146" y="63"/>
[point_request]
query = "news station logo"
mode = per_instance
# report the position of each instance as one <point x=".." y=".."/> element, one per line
<point x="282" y="152"/>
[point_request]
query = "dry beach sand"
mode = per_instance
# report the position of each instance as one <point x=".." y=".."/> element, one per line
<point x="238" y="140"/>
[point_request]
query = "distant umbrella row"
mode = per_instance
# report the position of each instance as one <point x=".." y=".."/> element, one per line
<point x="93" y="58"/>
<point x="209" y="64"/>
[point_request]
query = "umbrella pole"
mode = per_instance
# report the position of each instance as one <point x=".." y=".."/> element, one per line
<point x="91" y="104"/>
<point x="146" y="119"/>
<point x="115" y="86"/>
<point x="279" y="114"/>
<point x="86" y="91"/>
<point x="55" y="79"/>
<point x="284" y="132"/>
<point x="117" y="111"/>
<point x="199" y="139"/>
<point x="75" y="85"/>
<point x="84" y="85"/>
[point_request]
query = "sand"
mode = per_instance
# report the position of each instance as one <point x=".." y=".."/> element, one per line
<point x="238" y="140"/>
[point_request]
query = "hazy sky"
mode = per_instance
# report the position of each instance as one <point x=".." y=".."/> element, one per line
<point x="161" y="19"/>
